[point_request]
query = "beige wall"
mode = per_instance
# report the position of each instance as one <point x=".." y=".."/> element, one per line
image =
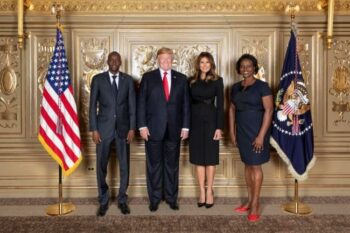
<point x="91" y="33"/>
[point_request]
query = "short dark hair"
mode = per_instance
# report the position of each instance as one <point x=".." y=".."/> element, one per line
<point x="112" y="54"/>
<point x="249" y="57"/>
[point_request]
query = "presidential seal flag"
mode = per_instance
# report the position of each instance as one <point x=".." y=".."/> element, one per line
<point x="59" y="125"/>
<point x="292" y="130"/>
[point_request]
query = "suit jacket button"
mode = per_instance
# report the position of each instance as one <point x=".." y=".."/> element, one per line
<point x="115" y="116"/>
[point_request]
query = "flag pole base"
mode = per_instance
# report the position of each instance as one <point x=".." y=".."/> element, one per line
<point x="54" y="210"/>
<point x="297" y="208"/>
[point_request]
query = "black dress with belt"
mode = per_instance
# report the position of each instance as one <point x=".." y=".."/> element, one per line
<point x="249" y="118"/>
<point x="207" y="115"/>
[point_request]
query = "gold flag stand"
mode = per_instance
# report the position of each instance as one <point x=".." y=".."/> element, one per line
<point x="295" y="206"/>
<point x="60" y="208"/>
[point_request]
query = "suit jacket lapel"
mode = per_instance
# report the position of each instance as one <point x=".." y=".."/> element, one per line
<point x="160" y="82"/>
<point x="121" y="83"/>
<point x="108" y="80"/>
<point x="173" y="84"/>
<point x="109" y="84"/>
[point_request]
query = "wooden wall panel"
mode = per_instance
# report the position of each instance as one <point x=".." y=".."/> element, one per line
<point x="27" y="171"/>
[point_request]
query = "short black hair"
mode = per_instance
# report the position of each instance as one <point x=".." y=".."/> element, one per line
<point x="250" y="57"/>
<point x="113" y="53"/>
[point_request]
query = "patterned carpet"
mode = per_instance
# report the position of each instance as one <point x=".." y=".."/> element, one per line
<point x="203" y="224"/>
<point x="330" y="214"/>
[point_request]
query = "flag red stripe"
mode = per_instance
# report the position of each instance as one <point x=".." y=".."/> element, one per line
<point x="75" y="138"/>
<point x="69" y="109"/>
<point x="68" y="150"/>
<point x="53" y="126"/>
<point x="51" y="102"/>
<point x="54" y="106"/>
<point x="53" y="147"/>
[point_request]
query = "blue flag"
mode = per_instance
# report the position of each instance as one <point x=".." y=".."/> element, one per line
<point x="292" y="130"/>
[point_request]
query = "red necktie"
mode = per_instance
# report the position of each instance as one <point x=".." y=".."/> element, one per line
<point x="166" y="86"/>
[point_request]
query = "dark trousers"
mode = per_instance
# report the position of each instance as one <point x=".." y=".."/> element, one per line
<point x="162" y="161"/>
<point x="123" y="155"/>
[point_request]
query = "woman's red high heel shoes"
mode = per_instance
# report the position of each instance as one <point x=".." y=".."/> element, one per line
<point x="241" y="209"/>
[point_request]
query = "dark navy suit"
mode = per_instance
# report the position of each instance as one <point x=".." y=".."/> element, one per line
<point x="164" y="120"/>
<point x="112" y="117"/>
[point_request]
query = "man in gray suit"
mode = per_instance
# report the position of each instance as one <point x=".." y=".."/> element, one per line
<point x="112" y="120"/>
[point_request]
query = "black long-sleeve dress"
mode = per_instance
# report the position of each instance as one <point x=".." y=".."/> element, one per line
<point x="207" y="115"/>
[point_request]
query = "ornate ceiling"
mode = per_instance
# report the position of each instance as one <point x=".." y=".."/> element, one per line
<point x="178" y="6"/>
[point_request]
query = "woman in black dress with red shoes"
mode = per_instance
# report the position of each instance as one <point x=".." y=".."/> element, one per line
<point x="250" y="120"/>
<point x="207" y="121"/>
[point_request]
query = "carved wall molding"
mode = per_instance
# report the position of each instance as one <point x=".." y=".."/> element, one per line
<point x="180" y="6"/>
<point x="88" y="40"/>
<point x="9" y="95"/>
<point x="340" y="81"/>
<point x="93" y="55"/>
<point x="144" y="58"/>
<point x="45" y="48"/>
<point x="259" y="47"/>
<point x="305" y="58"/>
<point x="260" y="44"/>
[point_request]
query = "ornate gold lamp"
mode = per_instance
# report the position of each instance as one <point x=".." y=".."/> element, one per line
<point x="329" y="5"/>
<point x="22" y="5"/>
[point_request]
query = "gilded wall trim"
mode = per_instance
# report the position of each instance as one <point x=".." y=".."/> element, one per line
<point x="180" y="6"/>
<point x="9" y="83"/>
<point x="340" y="81"/>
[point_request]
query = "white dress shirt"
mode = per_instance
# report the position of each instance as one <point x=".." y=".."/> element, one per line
<point x="111" y="79"/>
<point x="168" y="77"/>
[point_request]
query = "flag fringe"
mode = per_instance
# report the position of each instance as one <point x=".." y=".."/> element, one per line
<point x="290" y="167"/>
<point x="57" y="159"/>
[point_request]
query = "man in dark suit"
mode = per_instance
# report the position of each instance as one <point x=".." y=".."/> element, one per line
<point x="163" y="119"/>
<point x="112" y="120"/>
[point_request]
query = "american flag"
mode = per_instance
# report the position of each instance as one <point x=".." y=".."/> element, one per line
<point x="59" y="125"/>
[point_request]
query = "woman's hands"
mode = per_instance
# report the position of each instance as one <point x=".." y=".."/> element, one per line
<point x="258" y="144"/>
<point x="217" y="134"/>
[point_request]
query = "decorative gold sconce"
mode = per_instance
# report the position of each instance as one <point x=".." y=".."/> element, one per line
<point x="322" y="5"/>
<point x="57" y="9"/>
<point x="22" y="5"/>
<point x="292" y="10"/>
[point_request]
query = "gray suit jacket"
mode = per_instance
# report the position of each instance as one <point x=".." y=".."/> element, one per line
<point x="102" y="113"/>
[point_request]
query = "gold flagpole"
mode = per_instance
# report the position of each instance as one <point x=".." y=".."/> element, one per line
<point x="295" y="206"/>
<point x="60" y="208"/>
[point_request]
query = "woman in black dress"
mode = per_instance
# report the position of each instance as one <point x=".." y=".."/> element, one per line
<point x="207" y="113"/>
<point x="250" y="120"/>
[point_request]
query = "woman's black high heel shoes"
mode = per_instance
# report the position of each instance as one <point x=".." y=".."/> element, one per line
<point x="200" y="204"/>
<point x="207" y="205"/>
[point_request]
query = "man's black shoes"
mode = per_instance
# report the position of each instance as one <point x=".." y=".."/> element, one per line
<point x="102" y="210"/>
<point x="124" y="208"/>
<point x="173" y="205"/>
<point x="153" y="207"/>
